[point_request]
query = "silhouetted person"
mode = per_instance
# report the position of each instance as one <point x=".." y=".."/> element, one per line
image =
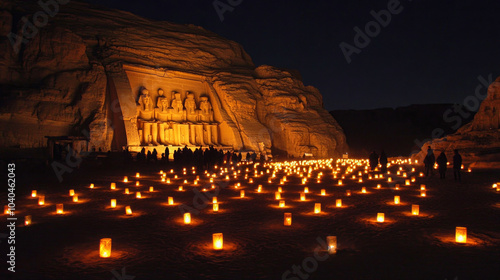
<point x="373" y="160"/>
<point x="442" y="161"/>
<point x="457" y="165"/>
<point x="154" y="155"/>
<point x="167" y="154"/>
<point x="429" y="161"/>
<point x="383" y="161"/>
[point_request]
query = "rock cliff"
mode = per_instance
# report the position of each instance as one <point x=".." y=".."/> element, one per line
<point x="81" y="73"/>
<point x="479" y="140"/>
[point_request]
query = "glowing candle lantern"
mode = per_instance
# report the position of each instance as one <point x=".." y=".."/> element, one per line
<point x="181" y="188"/>
<point x="242" y="193"/>
<point x="379" y="186"/>
<point x="27" y="220"/>
<point x="91" y="186"/>
<point x="331" y="241"/>
<point x="280" y="189"/>
<point x="71" y="192"/>
<point x="282" y="203"/>
<point x="323" y="192"/>
<point x="113" y="203"/>
<point x="33" y="193"/>
<point x="113" y="186"/>
<point x="306" y="190"/>
<point x="397" y="187"/>
<point x="128" y="211"/>
<point x="288" y="219"/>
<point x="277" y="195"/>
<point x="415" y="209"/>
<point x="214" y="199"/>
<point x="218" y="241"/>
<point x="211" y="180"/>
<point x="125" y="179"/>
<point x="59" y="208"/>
<point x="348" y="192"/>
<point x="317" y="208"/>
<point x="360" y="180"/>
<point x="407" y="182"/>
<point x="380" y="217"/>
<point x="215" y="207"/>
<point x="170" y="200"/>
<point x="461" y="234"/>
<point x="338" y="203"/>
<point x="340" y="183"/>
<point x="259" y="188"/>
<point x="302" y="196"/>
<point x="6" y="210"/>
<point x="138" y="194"/>
<point x="396" y="199"/>
<point x="137" y="175"/>
<point x="75" y="198"/>
<point x="423" y="193"/>
<point x="127" y="191"/>
<point x="187" y="218"/>
<point x="363" y="189"/>
<point x="168" y="180"/>
<point x="105" y="248"/>
<point x="422" y="187"/>
<point x="41" y="200"/>
<point x="137" y="183"/>
<point x="151" y="189"/>
<point x="389" y="179"/>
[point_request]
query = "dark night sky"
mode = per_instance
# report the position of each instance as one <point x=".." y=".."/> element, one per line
<point x="431" y="52"/>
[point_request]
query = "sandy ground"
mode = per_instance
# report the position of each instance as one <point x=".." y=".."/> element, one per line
<point x="154" y="243"/>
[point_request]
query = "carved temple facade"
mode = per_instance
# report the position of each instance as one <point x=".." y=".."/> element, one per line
<point x="166" y="108"/>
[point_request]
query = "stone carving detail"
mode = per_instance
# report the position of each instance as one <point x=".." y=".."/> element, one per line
<point x="181" y="123"/>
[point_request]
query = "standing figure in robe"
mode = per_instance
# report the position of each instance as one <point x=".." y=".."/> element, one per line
<point x="148" y="129"/>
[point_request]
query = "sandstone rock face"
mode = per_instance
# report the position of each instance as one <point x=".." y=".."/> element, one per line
<point x="87" y="71"/>
<point x="479" y="140"/>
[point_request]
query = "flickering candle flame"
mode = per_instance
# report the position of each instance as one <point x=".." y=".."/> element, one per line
<point x="340" y="183"/>
<point x="282" y="203"/>
<point x="415" y="209"/>
<point x="461" y="234"/>
<point x="396" y="187"/>
<point x="380" y="217"/>
<point x="422" y="187"/>
<point x="75" y="198"/>
<point x="407" y="182"/>
<point x="125" y="179"/>
<point x="214" y="199"/>
<point x="181" y="188"/>
<point x="105" y="248"/>
<point x="277" y="195"/>
<point x="71" y="192"/>
<point x="302" y="196"/>
<point x="423" y="193"/>
<point x="338" y="203"/>
<point x="363" y="189"/>
<point x="6" y="210"/>
<point x="137" y="183"/>
<point x="27" y="220"/>
<point x="317" y="208"/>
<point x="348" y="192"/>
<point x="379" y="186"/>
<point x="113" y="203"/>
<point x="259" y="188"/>
<point x="216" y="207"/>
<point x="127" y="191"/>
<point x="287" y="219"/>
<point x="389" y="179"/>
<point x="242" y="193"/>
<point x="168" y="180"/>
<point x="41" y="200"/>
<point x="137" y="175"/>
<point x="91" y="186"/>
<point x="306" y="190"/>
<point x="218" y="242"/>
<point x="187" y="218"/>
<point x="113" y="186"/>
<point x="396" y="199"/>
<point x="138" y="194"/>
<point x="331" y="241"/>
<point x="280" y="189"/>
<point x="323" y="192"/>
<point x="151" y="189"/>
<point x="33" y="193"/>
<point x="59" y="208"/>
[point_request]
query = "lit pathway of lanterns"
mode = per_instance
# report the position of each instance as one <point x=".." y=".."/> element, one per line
<point x="288" y="196"/>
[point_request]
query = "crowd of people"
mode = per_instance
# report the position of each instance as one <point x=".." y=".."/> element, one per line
<point x="201" y="158"/>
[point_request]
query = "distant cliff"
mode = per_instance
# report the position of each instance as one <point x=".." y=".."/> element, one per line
<point x="398" y="131"/>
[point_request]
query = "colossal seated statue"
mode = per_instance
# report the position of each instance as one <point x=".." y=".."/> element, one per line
<point x="148" y="129"/>
<point x="178" y="111"/>
<point x="191" y="111"/>
<point x="206" y="112"/>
